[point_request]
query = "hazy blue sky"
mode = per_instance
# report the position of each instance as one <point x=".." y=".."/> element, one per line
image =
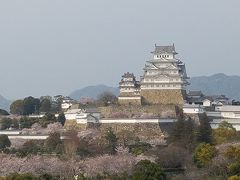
<point x="57" y="46"/>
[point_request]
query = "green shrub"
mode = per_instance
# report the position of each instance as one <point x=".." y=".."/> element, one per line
<point x="224" y="133"/>
<point x="203" y="154"/>
<point x="233" y="152"/>
<point x="82" y="152"/>
<point x="53" y="143"/>
<point x="234" y="178"/>
<point x="30" y="147"/>
<point x="48" y="177"/>
<point x="6" y="123"/>
<point x="139" y="148"/>
<point x="4" y="141"/>
<point x="234" y="168"/>
<point x="145" y="169"/>
<point x="26" y="122"/>
<point x="16" y="176"/>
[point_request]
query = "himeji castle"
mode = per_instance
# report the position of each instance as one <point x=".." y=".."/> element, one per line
<point x="163" y="81"/>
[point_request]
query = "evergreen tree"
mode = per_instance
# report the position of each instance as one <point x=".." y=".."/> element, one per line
<point x="61" y="118"/>
<point x="45" y="105"/>
<point x="204" y="133"/>
<point x="112" y="140"/>
<point x="184" y="133"/>
<point x="52" y="142"/>
<point x="190" y="134"/>
<point x="4" y="141"/>
<point x="177" y="132"/>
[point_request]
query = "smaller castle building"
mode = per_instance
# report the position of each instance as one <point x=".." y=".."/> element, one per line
<point x="129" y="90"/>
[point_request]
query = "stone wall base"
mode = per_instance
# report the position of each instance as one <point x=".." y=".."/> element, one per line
<point x="144" y="131"/>
<point x="129" y="101"/>
<point x="147" y="111"/>
<point x="163" y="96"/>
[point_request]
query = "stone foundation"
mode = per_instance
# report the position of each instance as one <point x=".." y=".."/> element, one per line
<point x="129" y="101"/>
<point x="147" y="111"/>
<point x="141" y="130"/>
<point x="73" y="125"/>
<point x="168" y="96"/>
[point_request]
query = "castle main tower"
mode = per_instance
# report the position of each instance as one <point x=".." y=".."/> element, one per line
<point x="164" y="79"/>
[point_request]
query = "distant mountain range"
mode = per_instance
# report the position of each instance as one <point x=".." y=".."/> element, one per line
<point x="93" y="92"/>
<point x="216" y="84"/>
<point x="4" y="103"/>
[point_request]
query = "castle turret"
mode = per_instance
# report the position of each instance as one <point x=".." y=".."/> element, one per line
<point x="129" y="90"/>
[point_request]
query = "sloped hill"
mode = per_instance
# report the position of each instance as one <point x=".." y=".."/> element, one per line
<point x="217" y="84"/>
<point x="4" y="103"/>
<point x="93" y="91"/>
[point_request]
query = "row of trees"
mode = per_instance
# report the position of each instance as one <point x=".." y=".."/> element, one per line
<point x="143" y="170"/>
<point x="26" y="122"/>
<point x="31" y="105"/>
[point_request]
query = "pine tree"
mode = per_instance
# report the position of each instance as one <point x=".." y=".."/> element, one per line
<point x="184" y="133"/>
<point x="204" y="133"/>
<point x="190" y="134"/>
<point x="177" y="132"/>
<point x="112" y="140"/>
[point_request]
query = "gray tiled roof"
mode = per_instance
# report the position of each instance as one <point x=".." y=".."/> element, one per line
<point x="131" y="75"/>
<point x="165" y="49"/>
<point x="195" y="93"/>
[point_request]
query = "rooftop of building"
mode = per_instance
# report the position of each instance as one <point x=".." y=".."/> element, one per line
<point x="228" y="108"/>
<point x="164" y="49"/>
<point x="194" y="93"/>
<point x="128" y="75"/>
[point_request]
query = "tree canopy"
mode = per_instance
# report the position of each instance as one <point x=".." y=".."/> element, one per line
<point x="45" y="105"/>
<point x="107" y="98"/>
<point x="28" y="105"/>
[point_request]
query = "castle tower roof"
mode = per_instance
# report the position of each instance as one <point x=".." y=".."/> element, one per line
<point x="128" y="75"/>
<point x="164" y="49"/>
